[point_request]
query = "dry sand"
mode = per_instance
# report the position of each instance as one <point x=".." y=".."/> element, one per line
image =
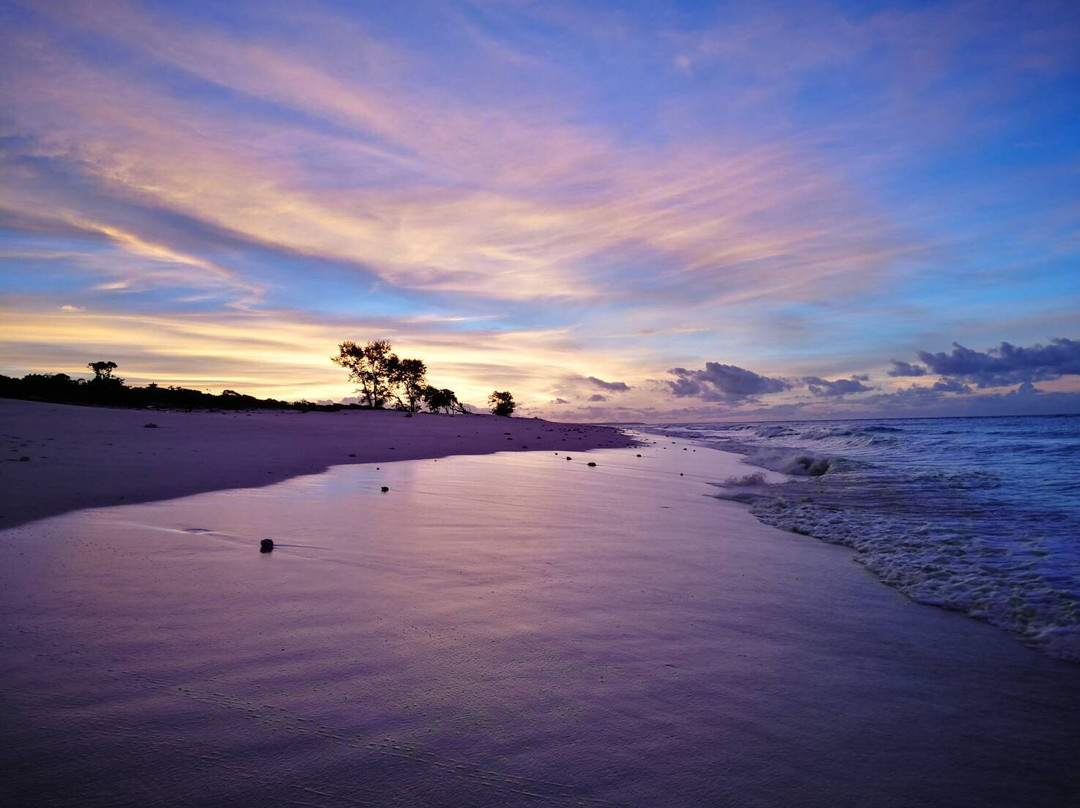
<point x="86" y="457"/>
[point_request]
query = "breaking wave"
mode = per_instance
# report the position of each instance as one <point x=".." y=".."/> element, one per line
<point x="980" y="516"/>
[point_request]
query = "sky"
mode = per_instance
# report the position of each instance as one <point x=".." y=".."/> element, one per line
<point x="625" y="211"/>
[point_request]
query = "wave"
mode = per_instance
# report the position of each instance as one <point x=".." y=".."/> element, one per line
<point x="1005" y="579"/>
<point x="788" y="462"/>
<point x="979" y="520"/>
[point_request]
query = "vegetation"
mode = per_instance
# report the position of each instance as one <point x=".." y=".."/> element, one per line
<point x="443" y="400"/>
<point x="370" y="366"/>
<point x="105" y="389"/>
<point x="103" y="371"/>
<point x="409" y="376"/>
<point x="382" y="376"/>
<point x="502" y="403"/>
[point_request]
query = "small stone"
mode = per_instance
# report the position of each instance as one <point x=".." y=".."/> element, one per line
<point x="266" y="546"/>
<point x="385" y="488"/>
<point x="24" y="459"/>
<point x="592" y="464"/>
<point x="639" y="455"/>
<point x="151" y="425"/>
<point x="568" y="457"/>
<point x="352" y="455"/>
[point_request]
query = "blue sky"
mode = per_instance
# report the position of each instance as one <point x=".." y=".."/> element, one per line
<point x="527" y="195"/>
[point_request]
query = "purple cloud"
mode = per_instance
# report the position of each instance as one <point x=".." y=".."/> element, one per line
<point x="612" y="387"/>
<point x="950" y="386"/>
<point x="718" y="382"/>
<point x="1007" y="364"/>
<point x="839" y="387"/>
<point x="906" y="369"/>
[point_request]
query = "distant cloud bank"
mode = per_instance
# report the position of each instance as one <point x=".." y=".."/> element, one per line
<point x="960" y="373"/>
<point x="997" y="367"/>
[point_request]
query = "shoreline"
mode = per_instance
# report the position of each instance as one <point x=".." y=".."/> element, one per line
<point x="874" y="496"/>
<point x="88" y="457"/>
<point x="509" y="628"/>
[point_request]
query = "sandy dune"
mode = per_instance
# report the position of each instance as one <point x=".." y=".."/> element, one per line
<point x="84" y="457"/>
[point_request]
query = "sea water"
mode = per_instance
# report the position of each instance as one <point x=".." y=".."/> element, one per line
<point x="978" y="515"/>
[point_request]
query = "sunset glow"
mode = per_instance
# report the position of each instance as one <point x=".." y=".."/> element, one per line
<point x="565" y="200"/>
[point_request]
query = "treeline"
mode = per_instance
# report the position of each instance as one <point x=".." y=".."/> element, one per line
<point x="384" y="379"/>
<point x="106" y="389"/>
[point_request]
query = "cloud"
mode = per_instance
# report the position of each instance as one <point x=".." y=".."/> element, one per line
<point x="906" y="369"/>
<point x="950" y="386"/>
<point x="837" y="388"/>
<point x="953" y="398"/>
<point x="613" y="387"/>
<point x="1007" y="364"/>
<point x="733" y="384"/>
<point x="281" y="353"/>
<point x="336" y="157"/>
<point x="560" y="401"/>
<point x="598" y="397"/>
<point x="719" y="382"/>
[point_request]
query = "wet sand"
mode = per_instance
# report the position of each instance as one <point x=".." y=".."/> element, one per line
<point x="515" y="629"/>
<point x="86" y="457"/>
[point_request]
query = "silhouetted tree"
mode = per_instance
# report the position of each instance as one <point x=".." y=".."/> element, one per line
<point x="103" y="372"/>
<point x="442" y="399"/>
<point x="369" y="366"/>
<point x="502" y="403"/>
<point x="410" y="377"/>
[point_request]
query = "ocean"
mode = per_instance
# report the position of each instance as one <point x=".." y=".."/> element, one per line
<point x="977" y="515"/>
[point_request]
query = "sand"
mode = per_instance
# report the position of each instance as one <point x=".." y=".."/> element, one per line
<point x="85" y="457"/>
<point x="512" y="629"/>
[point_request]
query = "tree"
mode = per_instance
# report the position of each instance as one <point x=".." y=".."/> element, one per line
<point x="502" y="403"/>
<point x="442" y="399"/>
<point x="410" y="377"/>
<point x="103" y="371"/>
<point x="370" y="366"/>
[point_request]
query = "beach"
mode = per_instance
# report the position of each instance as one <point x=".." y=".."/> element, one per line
<point x="516" y="628"/>
<point x="86" y="457"/>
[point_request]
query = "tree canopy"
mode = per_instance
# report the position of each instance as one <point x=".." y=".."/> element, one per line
<point x="409" y="378"/>
<point x="103" y="372"/>
<point x="502" y="403"/>
<point x="370" y="366"/>
<point x="442" y="399"/>
<point x="384" y="377"/>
